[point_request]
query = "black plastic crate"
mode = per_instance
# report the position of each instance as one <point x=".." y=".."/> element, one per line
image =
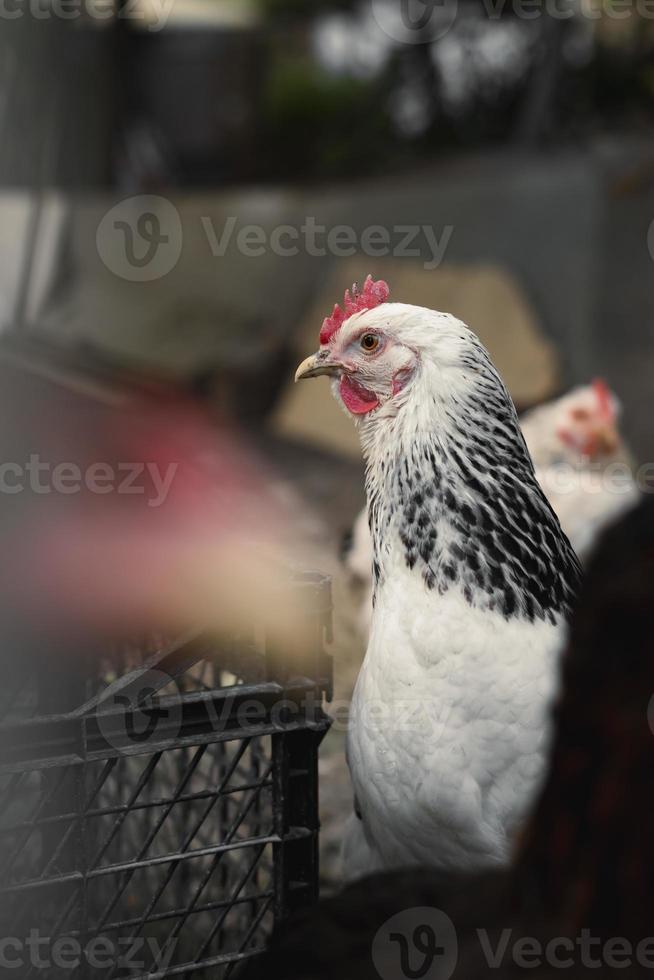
<point x="162" y="827"/>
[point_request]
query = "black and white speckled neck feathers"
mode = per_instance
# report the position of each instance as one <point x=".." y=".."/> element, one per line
<point x="452" y="487"/>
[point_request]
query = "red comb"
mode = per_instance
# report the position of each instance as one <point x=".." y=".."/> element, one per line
<point x="604" y="397"/>
<point x="371" y="296"/>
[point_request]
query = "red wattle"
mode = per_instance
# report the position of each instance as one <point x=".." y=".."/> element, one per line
<point x="356" y="398"/>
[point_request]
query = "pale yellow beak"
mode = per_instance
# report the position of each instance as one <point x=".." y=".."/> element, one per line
<point x="316" y="365"/>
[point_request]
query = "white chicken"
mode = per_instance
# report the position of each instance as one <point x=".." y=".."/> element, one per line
<point x="581" y="463"/>
<point x="473" y="583"/>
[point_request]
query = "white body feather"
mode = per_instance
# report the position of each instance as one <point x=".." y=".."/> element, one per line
<point x="449" y="730"/>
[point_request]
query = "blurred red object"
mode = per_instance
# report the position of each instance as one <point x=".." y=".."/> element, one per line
<point x="129" y="510"/>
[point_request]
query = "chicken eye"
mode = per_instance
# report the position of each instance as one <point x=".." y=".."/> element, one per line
<point x="369" y="342"/>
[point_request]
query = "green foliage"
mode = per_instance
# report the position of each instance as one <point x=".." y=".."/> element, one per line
<point x="320" y="122"/>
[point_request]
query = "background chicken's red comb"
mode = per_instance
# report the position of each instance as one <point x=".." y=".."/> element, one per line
<point x="604" y="397"/>
<point x="372" y="295"/>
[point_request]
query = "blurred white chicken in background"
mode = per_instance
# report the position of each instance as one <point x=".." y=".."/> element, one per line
<point x="581" y="462"/>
